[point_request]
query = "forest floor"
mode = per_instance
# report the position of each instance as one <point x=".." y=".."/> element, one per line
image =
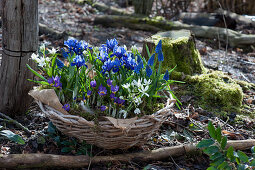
<point x="77" y="20"/>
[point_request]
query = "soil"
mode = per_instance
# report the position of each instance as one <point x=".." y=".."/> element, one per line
<point x="77" y="20"/>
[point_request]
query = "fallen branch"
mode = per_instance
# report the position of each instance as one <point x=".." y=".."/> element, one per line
<point x="49" y="160"/>
<point x="10" y="120"/>
<point x="44" y="29"/>
<point x="234" y="38"/>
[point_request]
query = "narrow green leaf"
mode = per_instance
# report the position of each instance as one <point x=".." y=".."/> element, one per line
<point x="218" y="134"/>
<point x="243" y="157"/>
<point x="148" y="51"/>
<point x="39" y="82"/>
<point x="223" y="142"/>
<point x="211" y="150"/>
<point x="12" y="136"/>
<point x="35" y="73"/>
<point x="212" y="131"/>
<point x="205" y="143"/>
<point x="211" y="168"/>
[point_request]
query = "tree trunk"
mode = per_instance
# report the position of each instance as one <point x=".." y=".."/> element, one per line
<point x="20" y="40"/>
<point x="143" y="7"/>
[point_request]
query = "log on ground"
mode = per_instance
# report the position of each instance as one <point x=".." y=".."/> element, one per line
<point x="234" y="38"/>
<point x="49" y="160"/>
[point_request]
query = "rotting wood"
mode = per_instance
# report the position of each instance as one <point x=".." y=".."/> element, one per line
<point x="235" y="39"/>
<point x="50" y="160"/>
<point x="20" y="40"/>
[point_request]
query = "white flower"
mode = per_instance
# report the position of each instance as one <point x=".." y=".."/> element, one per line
<point x="47" y="59"/>
<point x="137" y="83"/>
<point x="85" y="52"/>
<point x="126" y="86"/>
<point x="143" y="90"/>
<point x="147" y="82"/>
<point x="137" y="111"/>
<point x="125" y="47"/>
<point x="134" y="48"/>
<point x="121" y="97"/>
<point x="52" y="51"/>
<point x="124" y="112"/>
<point x="41" y="62"/>
<point x="42" y="48"/>
<point x="35" y="57"/>
<point x="138" y="100"/>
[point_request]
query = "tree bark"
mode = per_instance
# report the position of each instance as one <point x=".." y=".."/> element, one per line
<point x="235" y="39"/>
<point x="20" y="40"/>
<point x="49" y="160"/>
<point x="143" y="7"/>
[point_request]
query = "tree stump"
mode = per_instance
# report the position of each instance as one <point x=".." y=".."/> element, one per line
<point x="179" y="50"/>
<point x="20" y="40"/>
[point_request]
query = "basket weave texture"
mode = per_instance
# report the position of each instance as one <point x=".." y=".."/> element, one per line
<point x="108" y="132"/>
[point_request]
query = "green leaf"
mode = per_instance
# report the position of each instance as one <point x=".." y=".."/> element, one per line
<point x="35" y="73"/>
<point x="12" y="136"/>
<point x="148" y="51"/>
<point x="243" y="157"/>
<point x="215" y="156"/>
<point x="205" y="143"/>
<point x="252" y="163"/>
<point x="218" y="161"/>
<point x="230" y="153"/>
<point x="212" y="131"/>
<point x="211" y="168"/>
<point x="51" y="128"/>
<point x="218" y="134"/>
<point x="222" y="165"/>
<point x="39" y="82"/>
<point x="66" y="149"/>
<point x="211" y="150"/>
<point x="223" y="142"/>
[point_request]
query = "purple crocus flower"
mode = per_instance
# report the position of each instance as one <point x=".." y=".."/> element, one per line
<point x="114" y="89"/>
<point x="109" y="82"/>
<point x="93" y="83"/>
<point x="89" y="92"/>
<point x="66" y="107"/>
<point x="112" y="96"/>
<point x="120" y="101"/>
<point x="55" y="82"/>
<point x="102" y="91"/>
<point x="103" y="108"/>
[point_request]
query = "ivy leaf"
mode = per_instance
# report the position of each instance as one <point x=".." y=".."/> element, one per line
<point x="212" y="131"/>
<point x="12" y="136"/>
<point x="243" y="157"/>
<point x="205" y="143"/>
<point x="223" y="142"/>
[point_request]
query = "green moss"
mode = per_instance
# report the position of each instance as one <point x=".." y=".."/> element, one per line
<point x="179" y="50"/>
<point x="218" y="90"/>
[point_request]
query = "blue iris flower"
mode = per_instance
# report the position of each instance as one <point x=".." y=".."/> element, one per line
<point x="159" y="47"/>
<point x="107" y="66"/>
<point x="103" y="56"/>
<point x="116" y="65"/>
<point x="78" y="61"/>
<point x="111" y="43"/>
<point x="60" y="64"/>
<point x="130" y="63"/>
<point x="139" y="59"/>
<point x="78" y="49"/>
<point x="119" y="51"/>
<point x="151" y="60"/>
<point x="84" y="45"/>
<point x="166" y="76"/>
<point x="160" y="56"/>
<point x="71" y="44"/>
<point x="148" y="71"/>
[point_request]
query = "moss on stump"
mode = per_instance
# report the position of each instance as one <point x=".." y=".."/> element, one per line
<point x="215" y="89"/>
<point x="179" y="50"/>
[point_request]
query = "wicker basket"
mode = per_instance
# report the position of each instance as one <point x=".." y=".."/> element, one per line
<point x="109" y="133"/>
